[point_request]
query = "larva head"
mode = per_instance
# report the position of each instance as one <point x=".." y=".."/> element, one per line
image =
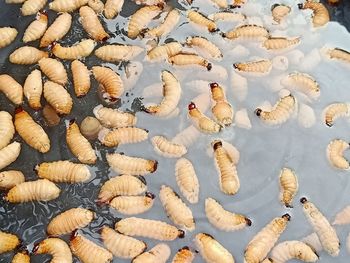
<point x="18" y="110"/>
<point x="286" y="216"/>
<point x="300" y="6"/>
<point x="74" y="235"/>
<point x="150" y="195"/>
<point x="181" y="233"/>
<point x="154" y="166"/>
<point x="192" y="106"/>
<point x="303" y="200"/>
<point x="36" y="248"/>
<point x="258" y="112"/>
<point x="248" y="221"/>
<point x="235" y="66"/>
<point x="209" y="66"/>
<point x="216" y="144"/>
<point x="213" y="85"/>
<point x="274" y="6"/>
<point x="223" y="34"/>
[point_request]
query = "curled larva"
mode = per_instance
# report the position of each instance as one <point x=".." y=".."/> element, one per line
<point x="9" y="179"/>
<point x="176" y="209"/>
<point x="334" y="111"/>
<point x="87" y="251"/>
<point x="211" y="250"/>
<point x="79" y="145"/>
<point x="183" y="255"/>
<point x="335" y="154"/>
<point x="185" y="59"/>
<point x="8" y="242"/>
<point x="9" y="154"/>
<point x="122" y="135"/>
<point x="223" y="219"/>
<point x="155" y="229"/>
<point x="264" y="241"/>
<point x="222" y="110"/>
<point x="36" y="29"/>
<point x="202" y="122"/>
<point x="120" y="245"/>
<point x="326" y="233"/>
<point x="31" y="7"/>
<point x="336" y="53"/>
<point x="58" y="97"/>
<point x="97" y="6"/>
<point x="249" y="32"/>
<point x="187" y="180"/>
<point x="57" y="30"/>
<point x="227" y="16"/>
<point x="201" y="20"/>
<point x="258" y="67"/>
<point x="166" y="148"/>
<point x="277" y="43"/>
<point x="207" y="47"/>
<point x="158" y="254"/>
<point x="7" y="36"/>
<point x="112" y="118"/>
<point x="118" y="52"/>
<point x="21" y="257"/>
<point x="320" y="13"/>
<point x="63" y="172"/>
<point x="110" y="80"/>
<point x="66" y="5"/>
<point x="112" y="8"/>
<point x="33" y="89"/>
<point x="280" y="11"/>
<point x="7" y="129"/>
<point x="39" y="190"/>
<point x="90" y="127"/>
<point x="81" y="78"/>
<point x="68" y="221"/>
<point x="57" y="248"/>
<point x="169" y="22"/>
<point x="31" y="132"/>
<point x="288" y="250"/>
<point x="54" y="70"/>
<point x="280" y="113"/>
<point x="50" y="115"/>
<point x="27" y="55"/>
<point x="342" y="217"/>
<point x="92" y="24"/>
<point x="11" y="88"/>
<point x="141" y="18"/>
<point x="164" y="51"/>
<point x="80" y="50"/>
<point x="288" y="185"/>
<point x="302" y="82"/>
<point x="123" y="185"/>
<point x="133" y="205"/>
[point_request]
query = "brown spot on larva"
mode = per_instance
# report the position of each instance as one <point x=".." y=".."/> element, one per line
<point x="300" y="6"/>
<point x="36" y="248"/>
<point x="44" y="12"/>
<point x="287" y="216"/>
<point x="258" y="112"/>
<point x="18" y="109"/>
<point x="71" y="121"/>
<point x="73" y="235"/>
<point x="223" y="34"/>
<point x="184" y="248"/>
<point x="209" y="66"/>
<point x="248" y="221"/>
<point x="150" y="195"/>
<point x="303" y="200"/>
<point x="155" y="166"/>
<point x="217" y="145"/>
<point x="191" y="106"/>
<point x="181" y="233"/>
<point x="288" y="205"/>
<point x="213" y="85"/>
<point x="329" y="124"/>
<point x="235" y="65"/>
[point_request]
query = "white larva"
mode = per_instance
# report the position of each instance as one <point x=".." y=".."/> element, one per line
<point x="33" y="89"/>
<point x="164" y="51"/>
<point x="31" y="7"/>
<point x="339" y="54"/>
<point x="242" y="119"/>
<point x="81" y="78"/>
<point x="288" y="185"/>
<point x="207" y="48"/>
<point x="279" y="12"/>
<point x="302" y="82"/>
<point x="255" y="68"/>
<point x="7" y="36"/>
<point x="118" y="52"/>
<point x="169" y="22"/>
<point x="320" y="13"/>
<point x="184" y="255"/>
<point x="58" y="97"/>
<point x="133" y="205"/>
<point x="124" y="135"/>
<point x="97" y="6"/>
<point x="335" y="154"/>
<point x="166" y="148"/>
<point x="248" y="32"/>
<point x="57" y="248"/>
<point x="227" y="16"/>
<point x="112" y="118"/>
<point x="27" y="55"/>
<point x="158" y="254"/>
<point x="9" y="179"/>
<point x="201" y="20"/>
<point x="57" y="30"/>
<point x="220" y="3"/>
<point x="66" y="5"/>
<point x="335" y="111"/>
<point x="7" y="129"/>
<point x="36" y="29"/>
<point x="201" y="121"/>
<point x="112" y="8"/>
<point x="313" y="241"/>
<point x="280" y="43"/>
<point x="185" y="59"/>
<point x="9" y="154"/>
<point x="92" y="24"/>
<point x="288" y="250"/>
<point x="80" y="50"/>
<point x="110" y="80"/>
<point x="187" y="180"/>
<point x="54" y="70"/>
<point x="342" y="217"/>
<point x="187" y="136"/>
<point x="131" y="74"/>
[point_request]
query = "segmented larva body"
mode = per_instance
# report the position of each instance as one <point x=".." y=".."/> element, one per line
<point x="227" y="16"/>
<point x="260" y="67"/>
<point x="110" y="81"/>
<point x="27" y="55"/>
<point x="280" y="112"/>
<point x="80" y="50"/>
<point x="238" y="3"/>
<point x="155" y="229"/>
<point x="249" y="32"/>
<point x="280" y="11"/>
<point x="89" y="252"/>
<point x="111" y="118"/>
<point x="7" y="36"/>
<point x="201" y="20"/>
<point x="8" y="242"/>
<point x="187" y="136"/>
<point x="336" y="53"/>
<point x="202" y="122"/>
<point x="123" y="185"/>
<point x="264" y="241"/>
<point x="9" y="154"/>
<point x="164" y="51"/>
<point x="222" y="110"/>
<point x="11" y="88"/>
<point x="63" y="172"/>
<point x="187" y="180"/>
<point x="79" y="145"/>
<point x="57" y="248"/>
<point x="185" y="59"/>
<point x="90" y="127"/>
<point x="211" y="250"/>
<point x="112" y="8"/>
<point x="97" y="6"/>
<point x="150" y="2"/>
<point x="36" y="29"/>
<point x="288" y="185"/>
<point x="220" y="3"/>
<point x="207" y="46"/>
<point x="276" y="43"/>
<point x="50" y="116"/>
<point x="57" y="30"/>
<point x="120" y="245"/>
<point x="7" y="129"/>
<point x="66" y="5"/>
<point x="9" y="179"/>
<point x="31" y="7"/>
<point x="335" y="154"/>
<point x="70" y="220"/>
<point x="169" y="22"/>
<point x="293" y="250"/>
<point x="58" y="97"/>
<point x="21" y="257"/>
<point x="92" y="24"/>
<point x="326" y="233"/>
<point x="334" y="111"/>
<point x="314" y="242"/>
<point x="81" y="78"/>
<point x="223" y="219"/>
<point x="166" y="148"/>
<point x="122" y="135"/>
<point x="141" y="18"/>
<point x="183" y="255"/>
<point x="54" y="70"/>
<point x="33" y="89"/>
<point x="132" y="205"/>
<point x="31" y="132"/>
<point x="39" y="190"/>
<point x="343" y="217"/>
<point x="176" y="209"/>
<point x="158" y="254"/>
<point x="304" y="83"/>
<point x="320" y="13"/>
<point x="118" y="52"/>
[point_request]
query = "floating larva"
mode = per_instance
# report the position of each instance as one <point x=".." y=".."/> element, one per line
<point x="131" y="74"/>
<point x="169" y="22"/>
<point x="8" y="242"/>
<point x="120" y="245"/>
<point x="79" y="145"/>
<point x="336" y="53"/>
<point x="80" y="50"/>
<point x="186" y="59"/>
<point x="21" y="257"/>
<point x="211" y="250"/>
<point x="288" y="185"/>
<point x="302" y="82"/>
<point x="7" y="129"/>
<point x="50" y="115"/>
<point x="90" y="127"/>
<point x="133" y="205"/>
<point x="81" y="78"/>
<point x="9" y="179"/>
<point x="280" y="113"/>
<point x="277" y="43"/>
<point x="155" y="229"/>
<point x="227" y="16"/>
<point x="118" y="52"/>
<point x="63" y="172"/>
<point x="326" y="233"/>
<point x="66" y="5"/>
<point x="110" y="80"/>
<point x="92" y="24"/>
<point x="201" y="20"/>
<point x="54" y="70"/>
<point x="31" y="132"/>
<point x="202" y="122"/>
<point x="33" y="89"/>
<point x="220" y="3"/>
<point x="11" y="88"/>
<point x="223" y="219"/>
<point x="27" y="55"/>
<point x="264" y="241"/>
<point x="112" y="118"/>
<point x="36" y="29"/>
<point x="131" y="165"/>
<point x="335" y="154"/>
<point x="58" y="97"/>
<point x="122" y="135"/>
<point x="39" y="190"/>
<point x="207" y="47"/>
<point x="183" y="255"/>
<point x="176" y="209"/>
<point x="57" y="30"/>
<point x="288" y="250"/>
<point x="187" y="136"/>
<point x="159" y="254"/>
<point x="187" y="180"/>
<point x="320" y="13"/>
<point x="150" y="2"/>
<point x="68" y="221"/>
<point x="31" y="7"/>
<point x="141" y="18"/>
<point x="9" y="154"/>
<point x="248" y="32"/>
<point x="335" y="111"/>
<point x="313" y="241"/>
<point x="222" y="110"/>
<point x="258" y="67"/>
<point x="97" y="6"/>
<point x="112" y="8"/>
<point x="164" y="51"/>
<point x="87" y="251"/>
<point x="343" y="217"/>
<point x="166" y="148"/>
<point x="279" y="12"/>
<point x="57" y="248"/>
<point x="7" y="36"/>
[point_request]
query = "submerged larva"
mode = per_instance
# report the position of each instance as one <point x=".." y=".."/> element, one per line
<point x="302" y="82"/>
<point x="11" y="88"/>
<point x="335" y="154"/>
<point x="206" y="46"/>
<point x="36" y="29"/>
<point x="80" y="50"/>
<point x="112" y="118"/>
<point x="57" y="30"/>
<point x="90" y="127"/>
<point x="27" y="55"/>
<point x="222" y="110"/>
<point x="211" y="250"/>
<point x="21" y="257"/>
<point x="166" y="148"/>
<point x="57" y="248"/>
<point x="258" y="67"/>
<point x="326" y="233"/>
<point x="81" y="78"/>
<point x="68" y="221"/>
<point x="33" y="89"/>
<point x="133" y="205"/>
<point x="155" y="229"/>
<point x="320" y="13"/>
<point x="334" y="111"/>
<point x="31" y="7"/>
<point x="164" y="51"/>
<point x="79" y="145"/>
<point x="339" y="54"/>
<point x="120" y="245"/>
<point x="201" y="20"/>
<point x="50" y="116"/>
<point x="7" y="36"/>
<point x="112" y="8"/>
<point x="92" y="24"/>
<point x="277" y="43"/>
<point x="248" y="32"/>
<point x="118" y="52"/>
<point x="279" y="12"/>
<point x="288" y="250"/>
<point x="66" y="5"/>
<point x="96" y="5"/>
<point x="58" y="97"/>
<point x="187" y="180"/>
<point x="202" y="122"/>
<point x="220" y="3"/>
<point x="264" y="241"/>
<point x="169" y="22"/>
<point x="39" y="190"/>
<point x="188" y="59"/>
<point x="158" y="254"/>
<point x="227" y="16"/>
<point x="9" y="154"/>
<point x="288" y="185"/>
<point x="9" y="179"/>
<point x="342" y="217"/>
<point x="8" y="242"/>
<point x="110" y="80"/>
<point x="313" y="241"/>
<point x="124" y="135"/>
<point x="54" y="70"/>
<point x="183" y="255"/>
<point x="7" y="129"/>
